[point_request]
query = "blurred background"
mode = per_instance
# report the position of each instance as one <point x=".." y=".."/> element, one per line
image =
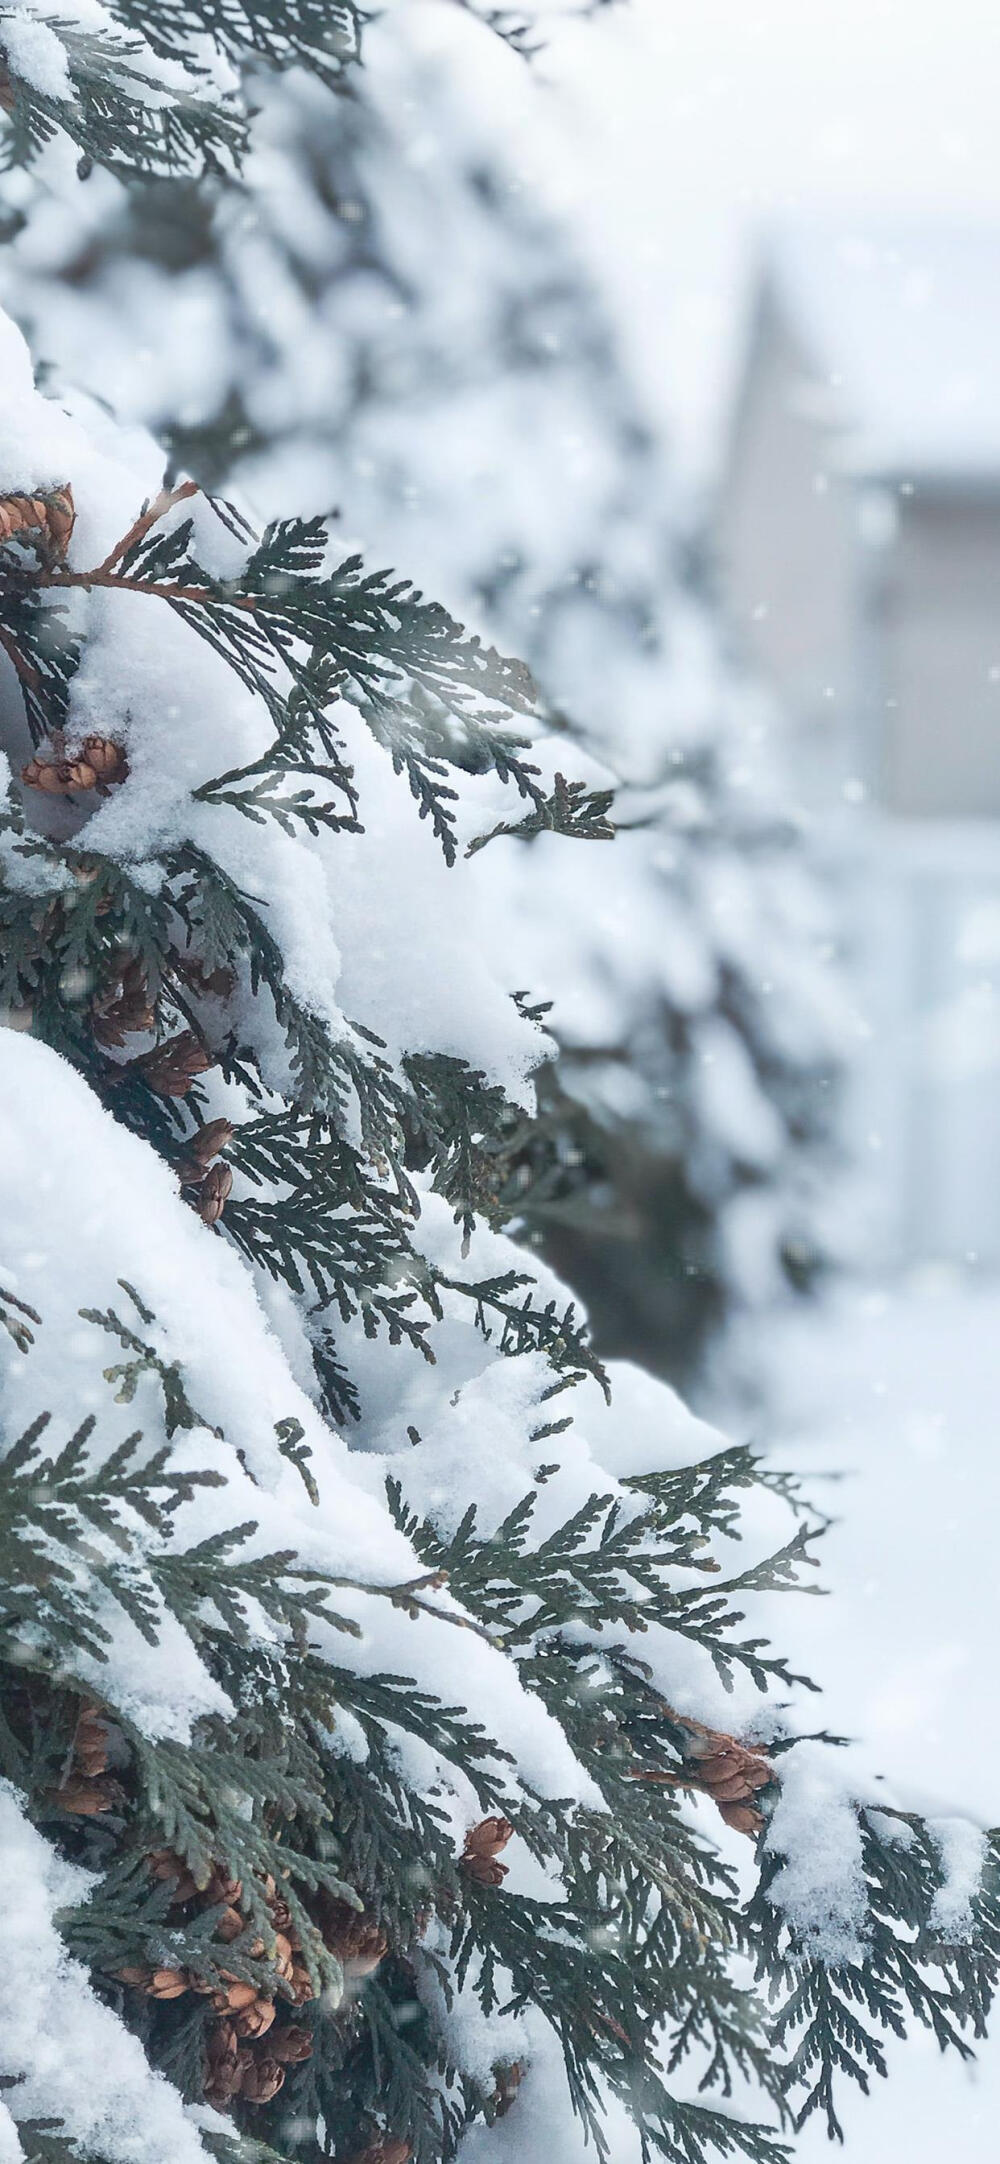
<point x="810" y="293"/>
<point x="670" y="358"/>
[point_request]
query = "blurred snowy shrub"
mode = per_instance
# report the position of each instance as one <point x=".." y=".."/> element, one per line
<point x="387" y="320"/>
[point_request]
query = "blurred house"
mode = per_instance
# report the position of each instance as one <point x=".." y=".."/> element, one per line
<point x="859" y="534"/>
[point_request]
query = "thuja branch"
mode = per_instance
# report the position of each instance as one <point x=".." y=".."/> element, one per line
<point x="46" y="522"/>
<point x="302" y="634"/>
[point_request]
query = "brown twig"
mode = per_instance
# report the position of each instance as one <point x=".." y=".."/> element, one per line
<point x="201" y="596"/>
<point x="407" y="1596"/>
<point x="158" y="509"/>
<point x="107" y="576"/>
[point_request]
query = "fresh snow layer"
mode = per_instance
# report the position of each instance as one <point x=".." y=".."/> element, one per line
<point x="34" y="38"/>
<point x="84" y="1204"/>
<point x="885" y="1398"/>
<point x="500" y="452"/>
<point x="336" y="905"/>
<point x="78" y="2064"/>
<point x="820" y="1887"/>
<point x="35" y="53"/>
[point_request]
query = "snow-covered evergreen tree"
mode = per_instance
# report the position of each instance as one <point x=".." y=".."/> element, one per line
<point x="340" y="1816"/>
<point x="394" y="326"/>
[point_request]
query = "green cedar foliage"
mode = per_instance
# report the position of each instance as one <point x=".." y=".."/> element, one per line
<point x="233" y="1858"/>
<point x="639" y="1941"/>
<point x="443" y="370"/>
<point x="151" y="90"/>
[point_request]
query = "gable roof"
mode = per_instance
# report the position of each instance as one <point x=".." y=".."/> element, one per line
<point x="902" y="328"/>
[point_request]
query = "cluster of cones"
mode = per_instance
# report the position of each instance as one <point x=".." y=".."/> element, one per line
<point x="45" y="519"/>
<point x="171" y="1068"/>
<point x="722" y="1767"/>
<point x="123" y="1006"/>
<point x="248" y="2049"/>
<point x="730" y="1772"/>
<point x="213" y="1183"/>
<point x="97" y="763"/>
<point x="480" y="1856"/>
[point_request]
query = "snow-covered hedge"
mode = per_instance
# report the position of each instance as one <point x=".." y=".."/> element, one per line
<point x="393" y="323"/>
<point x="332" y="1567"/>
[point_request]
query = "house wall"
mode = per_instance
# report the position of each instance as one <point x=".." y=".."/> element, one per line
<point x="874" y="609"/>
<point x="941" y="727"/>
<point x="924" y="905"/>
<point x="786" y="529"/>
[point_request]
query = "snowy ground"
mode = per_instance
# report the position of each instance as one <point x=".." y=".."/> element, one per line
<point x="898" y="1391"/>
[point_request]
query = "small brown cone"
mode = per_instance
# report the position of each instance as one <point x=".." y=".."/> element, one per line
<point x="485" y="1870"/>
<point x="255" y="2020"/>
<point x="171" y="1069"/>
<point x="49" y="775"/>
<point x="45" y="520"/>
<point x="353" y="1936"/>
<point x="282" y="1918"/>
<point x="216" y="1135"/>
<point x="214" y="983"/>
<point x="86" y="1799"/>
<point x="233" y="1996"/>
<point x="290" y="2044"/>
<point x="260" y="2078"/>
<point x="300" y="1985"/>
<point x="482" y="1847"/>
<point x="80" y="775"/>
<point x="509" y="2079"/>
<point x="168" y="1984"/>
<point x="222" y="2051"/>
<point x="223" y="1887"/>
<point x="123" y="1006"/>
<point x="104" y="760"/>
<point x="736" y="1790"/>
<point x="489" y="1837"/>
<point x="90" y="1743"/>
<point x="743" y="1817"/>
<point x="164" y="1864"/>
<point x="216" y="1188"/>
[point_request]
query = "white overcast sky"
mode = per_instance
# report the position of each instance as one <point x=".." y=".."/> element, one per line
<point x="699" y="118"/>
